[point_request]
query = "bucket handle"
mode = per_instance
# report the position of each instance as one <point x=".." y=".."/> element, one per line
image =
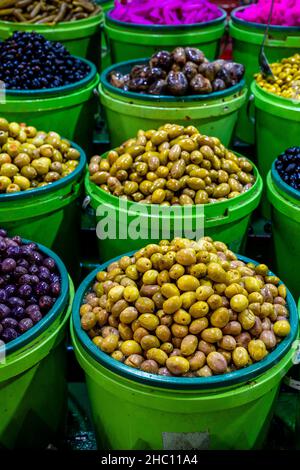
<point x="249" y="106"/>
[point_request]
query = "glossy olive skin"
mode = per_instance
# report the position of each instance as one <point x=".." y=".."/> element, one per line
<point x="185" y="308"/>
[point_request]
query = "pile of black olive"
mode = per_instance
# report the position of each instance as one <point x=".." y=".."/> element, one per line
<point x="288" y="167"/>
<point x="184" y="71"/>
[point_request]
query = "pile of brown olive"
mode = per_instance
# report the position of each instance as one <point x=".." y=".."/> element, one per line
<point x="184" y="71"/>
<point x="30" y="159"/>
<point x="186" y="308"/>
<point x="174" y="165"/>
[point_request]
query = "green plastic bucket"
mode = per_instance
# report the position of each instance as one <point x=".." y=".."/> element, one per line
<point x="277" y="123"/>
<point x="69" y="110"/>
<point x="105" y="55"/>
<point x="126" y="112"/>
<point x="227" y="221"/>
<point x="49" y="215"/>
<point x="33" y="386"/>
<point x="285" y="213"/>
<point x="128" y="41"/>
<point x="82" y="38"/>
<point x="180" y="413"/>
<point x="247" y="39"/>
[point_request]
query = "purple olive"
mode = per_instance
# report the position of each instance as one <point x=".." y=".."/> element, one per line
<point x="36" y="257"/>
<point x="17" y="239"/>
<point x="25" y="291"/>
<point x="4" y="311"/>
<point x="8" y="265"/>
<point x="25" y="325"/>
<point x="55" y="288"/>
<point x="18" y="312"/>
<point x="54" y="277"/>
<point x="44" y="273"/>
<point x="3" y="233"/>
<point x="49" y="263"/>
<point x="14" y="301"/>
<point x="45" y="302"/>
<point x="3" y="295"/>
<point x="2" y="245"/>
<point x="9" y="334"/>
<point x="9" y="322"/>
<point x="13" y="252"/>
<point x="25" y="279"/>
<point x="42" y="288"/>
<point x="33" y="269"/>
<point x="19" y="271"/>
<point x="10" y="290"/>
<point x="35" y="316"/>
<point x="23" y="262"/>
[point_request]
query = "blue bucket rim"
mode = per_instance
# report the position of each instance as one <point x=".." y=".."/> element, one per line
<point x="61" y="90"/>
<point x="192" y="383"/>
<point x="161" y="98"/>
<point x="286" y="188"/>
<point x="261" y="26"/>
<point x="157" y="28"/>
<point x="31" y="193"/>
<point x="53" y="313"/>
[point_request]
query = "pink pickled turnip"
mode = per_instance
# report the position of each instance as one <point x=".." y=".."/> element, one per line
<point x="285" y="12"/>
<point x="165" y="12"/>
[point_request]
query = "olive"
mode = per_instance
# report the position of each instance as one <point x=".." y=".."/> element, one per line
<point x="240" y="357"/>
<point x="178" y="365"/>
<point x="130" y="347"/>
<point x="282" y="328"/>
<point x="257" y="349"/>
<point x="189" y="345"/>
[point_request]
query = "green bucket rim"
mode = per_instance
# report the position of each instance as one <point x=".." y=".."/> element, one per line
<point x="59" y="305"/>
<point x="159" y="98"/>
<point x="282" y="185"/>
<point x="163" y="28"/>
<point x="228" y="379"/>
<point x="164" y="210"/>
<point x="29" y="194"/>
<point x="280" y="100"/>
<point x="64" y="24"/>
<point x="261" y="26"/>
<point x="61" y="90"/>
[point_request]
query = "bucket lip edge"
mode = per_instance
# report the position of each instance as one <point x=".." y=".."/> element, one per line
<point x="60" y="303"/>
<point x="4" y="197"/>
<point x="114" y="199"/>
<point x="278" y="181"/>
<point x="61" y="90"/>
<point x="163" y="27"/>
<point x="161" y="98"/>
<point x="262" y="26"/>
<point x="280" y="100"/>
<point x="231" y="378"/>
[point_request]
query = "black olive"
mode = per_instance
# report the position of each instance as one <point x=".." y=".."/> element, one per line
<point x="157" y="73"/>
<point x="208" y="71"/>
<point x="138" y="84"/>
<point x="158" y="88"/>
<point x="177" y="83"/>
<point x="117" y="79"/>
<point x="190" y="70"/>
<point x="231" y="73"/>
<point x="194" y="55"/>
<point x="140" y="71"/>
<point x="218" y="85"/>
<point x="200" y="85"/>
<point x="179" y="56"/>
<point x="161" y="59"/>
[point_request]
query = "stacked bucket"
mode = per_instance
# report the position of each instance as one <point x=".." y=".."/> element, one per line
<point x="151" y="408"/>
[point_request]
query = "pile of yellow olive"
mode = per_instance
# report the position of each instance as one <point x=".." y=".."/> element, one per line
<point x="173" y="165"/>
<point x="30" y="159"/>
<point x="286" y="81"/>
<point x="186" y="308"/>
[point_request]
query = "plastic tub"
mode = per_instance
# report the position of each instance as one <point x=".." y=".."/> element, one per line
<point x="131" y="41"/>
<point x="127" y="112"/>
<point x="81" y="38"/>
<point x="33" y="386"/>
<point x="49" y="215"/>
<point x="247" y="39"/>
<point x="227" y="221"/>
<point x="68" y="109"/>
<point x="105" y="55"/>
<point x="285" y="213"/>
<point x="277" y="122"/>
<point x="181" y="413"/>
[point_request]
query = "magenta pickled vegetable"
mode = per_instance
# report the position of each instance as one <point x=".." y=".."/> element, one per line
<point x="285" y="12"/>
<point x="165" y="12"/>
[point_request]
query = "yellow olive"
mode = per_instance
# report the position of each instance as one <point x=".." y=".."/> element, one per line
<point x="130" y="347"/>
<point x="212" y="335"/>
<point x="282" y="328"/>
<point x="148" y="321"/>
<point x="188" y="283"/>
<point x="257" y="349"/>
<point x="240" y="357"/>
<point x="157" y="355"/>
<point x="239" y="302"/>
<point x="178" y="365"/>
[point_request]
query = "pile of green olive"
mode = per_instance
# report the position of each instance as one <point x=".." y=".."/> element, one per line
<point x="30" y="159"/>
<point x="186" y="308"/>
<point x="173" y="165"/>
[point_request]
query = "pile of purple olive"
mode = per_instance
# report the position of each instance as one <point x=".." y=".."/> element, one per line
<point x="184" y="71"/>
<point x="29" y="286"/>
